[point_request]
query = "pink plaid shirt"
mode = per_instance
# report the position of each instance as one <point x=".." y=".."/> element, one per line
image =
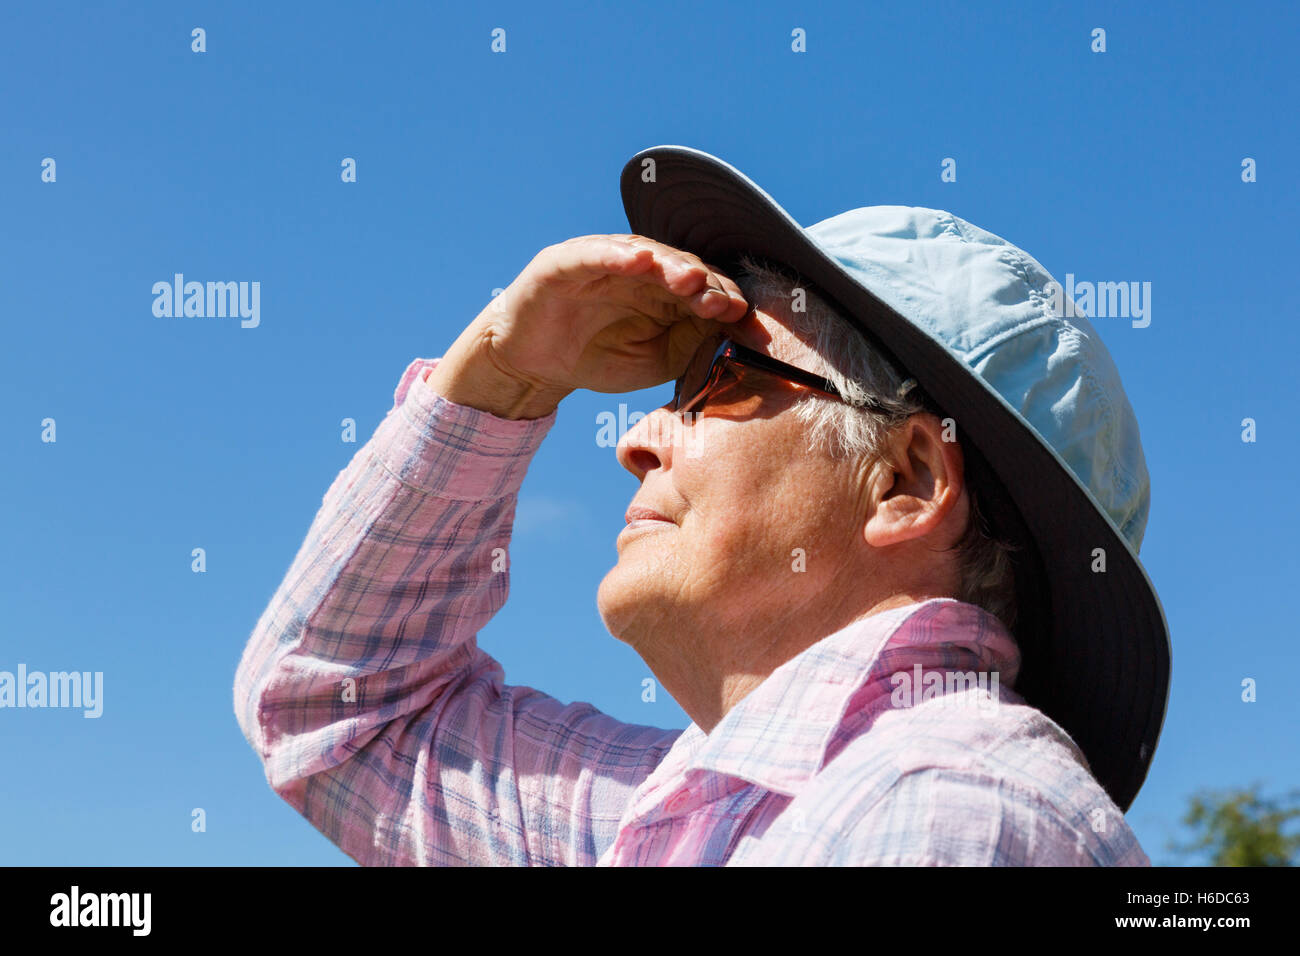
<point x="378" y="717"/>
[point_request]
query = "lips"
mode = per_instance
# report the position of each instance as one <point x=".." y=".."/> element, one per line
<point x="638" y="513"/>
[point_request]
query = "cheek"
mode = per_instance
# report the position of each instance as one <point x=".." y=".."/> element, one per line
<point x="751" y="504"/>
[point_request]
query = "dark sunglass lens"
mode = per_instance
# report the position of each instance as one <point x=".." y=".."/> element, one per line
<point x="689" y="385"/>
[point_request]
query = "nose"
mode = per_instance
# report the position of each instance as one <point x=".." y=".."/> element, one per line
<point x="648" y="444"/>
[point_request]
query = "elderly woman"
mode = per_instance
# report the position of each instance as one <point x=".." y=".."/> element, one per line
<point x="894" y="584"/>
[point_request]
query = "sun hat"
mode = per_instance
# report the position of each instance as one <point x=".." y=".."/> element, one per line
<point x="1038" y="405"/>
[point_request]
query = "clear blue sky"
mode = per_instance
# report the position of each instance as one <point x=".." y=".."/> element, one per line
<point x="182" y="433"/>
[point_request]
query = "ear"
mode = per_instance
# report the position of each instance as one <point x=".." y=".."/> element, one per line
<point x="919" y="485"/>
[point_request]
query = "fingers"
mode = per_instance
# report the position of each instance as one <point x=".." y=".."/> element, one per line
<point x="684" y="263"/>
<point x="706" y="290"/>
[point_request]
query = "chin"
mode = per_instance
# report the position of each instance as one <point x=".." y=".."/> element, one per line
<point x="611" y="603"/>
<point x="627" y="606"/>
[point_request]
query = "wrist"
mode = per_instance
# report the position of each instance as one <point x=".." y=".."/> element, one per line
<point x="469" y="375"/>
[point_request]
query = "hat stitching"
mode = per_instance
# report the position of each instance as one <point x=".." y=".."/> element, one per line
<point x="1026" y="326"/>
<point x="950" y="226"/>
<point x="1014" y="260"/>
<point x="1107" y="411"/>
<point x="1125" y="478"/>
<point x="1120" y="475"/>
<point x="1122" y="479"/>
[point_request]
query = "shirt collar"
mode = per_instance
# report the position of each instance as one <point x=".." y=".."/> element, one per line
<point x="778" y="734"/>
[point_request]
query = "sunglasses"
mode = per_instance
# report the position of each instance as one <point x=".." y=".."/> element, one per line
<point x="733" y="364"/>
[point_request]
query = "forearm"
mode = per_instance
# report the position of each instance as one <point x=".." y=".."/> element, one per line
<point x="377" y="616"/>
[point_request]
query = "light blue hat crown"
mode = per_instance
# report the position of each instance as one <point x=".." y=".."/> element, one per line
<point x="992" y="305"/>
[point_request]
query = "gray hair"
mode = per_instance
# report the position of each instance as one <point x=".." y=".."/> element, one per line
<point x="862" y="374"/>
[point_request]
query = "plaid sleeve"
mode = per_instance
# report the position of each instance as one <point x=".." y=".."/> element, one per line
<point x="362" y="687"/>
